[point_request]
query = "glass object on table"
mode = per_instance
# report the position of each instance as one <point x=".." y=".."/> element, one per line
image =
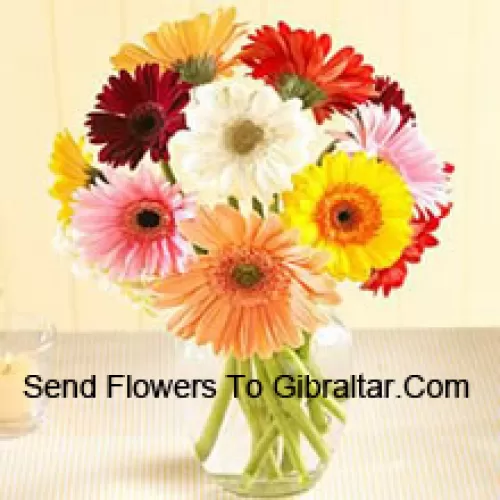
<point x="26" y="349"/>
<point x="230" y="455"/>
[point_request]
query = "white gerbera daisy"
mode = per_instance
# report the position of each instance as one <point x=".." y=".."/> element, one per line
<point x="241" y="140"/>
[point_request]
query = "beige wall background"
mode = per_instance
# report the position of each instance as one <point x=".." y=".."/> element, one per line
<point x="55" y="57"/>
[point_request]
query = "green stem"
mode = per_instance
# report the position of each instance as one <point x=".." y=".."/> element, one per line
<point x="213" y="425"/>
<point x="257" y="206"/>
<point x="275" y="205"/>
<point x="286" y="463"/>
<point x="252" y="416"/>
<point x="332" y="406"/>
<point x="292" y="406"/>
<point x="316" y="373"/>
<point x="233" y="202"/>
<point x="168" y="172"/>
<point x="261" y="450"/>
<point x="296" y="361"/>
<point x="316" y="412"/>
<point x="199" y="250"/>
<point x="281" y="420"/>
<point x="329" y="149"/>
<point x="273" y="468"/>
<point x="304" y="351"/>
<point x="252" y="419"/>
<point x="317" y="415"/>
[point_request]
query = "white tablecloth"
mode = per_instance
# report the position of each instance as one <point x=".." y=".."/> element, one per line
<point x="395" y="449"/>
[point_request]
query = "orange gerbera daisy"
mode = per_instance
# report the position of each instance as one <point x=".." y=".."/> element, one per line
<point x="254" y="292"/>
<point x="193" y="47"/>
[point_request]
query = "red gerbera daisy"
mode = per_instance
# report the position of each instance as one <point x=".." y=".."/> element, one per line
<point x="424" y="224"/>
<point x="393" y="277"/>
<point x="298" y="64"/>
<point x="140" y="113"/>
<point x="390" y="94"/>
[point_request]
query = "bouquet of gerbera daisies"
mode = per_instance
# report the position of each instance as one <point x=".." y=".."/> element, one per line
<point x="211" y="200"/>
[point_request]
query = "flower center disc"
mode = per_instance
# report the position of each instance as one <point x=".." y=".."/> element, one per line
<point x="146" y="120"/>
<point x="243" y="137"/>
<point x="349" y="214"/>
<point x="247" y="275"/>
<point x="344" y="216"/>
<point x="148" y="219"/>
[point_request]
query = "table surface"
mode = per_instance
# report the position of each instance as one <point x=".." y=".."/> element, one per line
<point x="392" y="449"/>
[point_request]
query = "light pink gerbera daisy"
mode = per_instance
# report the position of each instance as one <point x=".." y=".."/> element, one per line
<point x="127" y="224"/>
<point x="378" y="132"/>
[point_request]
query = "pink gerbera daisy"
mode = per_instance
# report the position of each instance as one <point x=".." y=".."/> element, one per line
<point x="127" y="224"/>
<point x="378" y="131"/>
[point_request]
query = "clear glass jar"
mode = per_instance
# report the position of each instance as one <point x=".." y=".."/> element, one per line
<point x="26" y="349"/>
<point x="271" y="446"/>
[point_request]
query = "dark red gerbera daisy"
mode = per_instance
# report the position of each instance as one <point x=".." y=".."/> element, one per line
<point x="298" y="64"/>
<point x="390" y="94"/>
<point x="140" y="112"/>
<point x="424" y="225"/>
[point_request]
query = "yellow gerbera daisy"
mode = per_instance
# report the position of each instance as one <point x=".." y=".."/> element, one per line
<point x="72" y="168"/>
<point x="194" y="47"/>
<point x="357" y="208"/>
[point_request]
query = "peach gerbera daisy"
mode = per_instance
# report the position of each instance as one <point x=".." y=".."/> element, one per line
<point x="193" y="47"/>
<point x="254" y="291"/>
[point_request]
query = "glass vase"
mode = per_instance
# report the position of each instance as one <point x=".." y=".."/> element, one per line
<point x="273" y="424"/>
<point x="26" y="351"/>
